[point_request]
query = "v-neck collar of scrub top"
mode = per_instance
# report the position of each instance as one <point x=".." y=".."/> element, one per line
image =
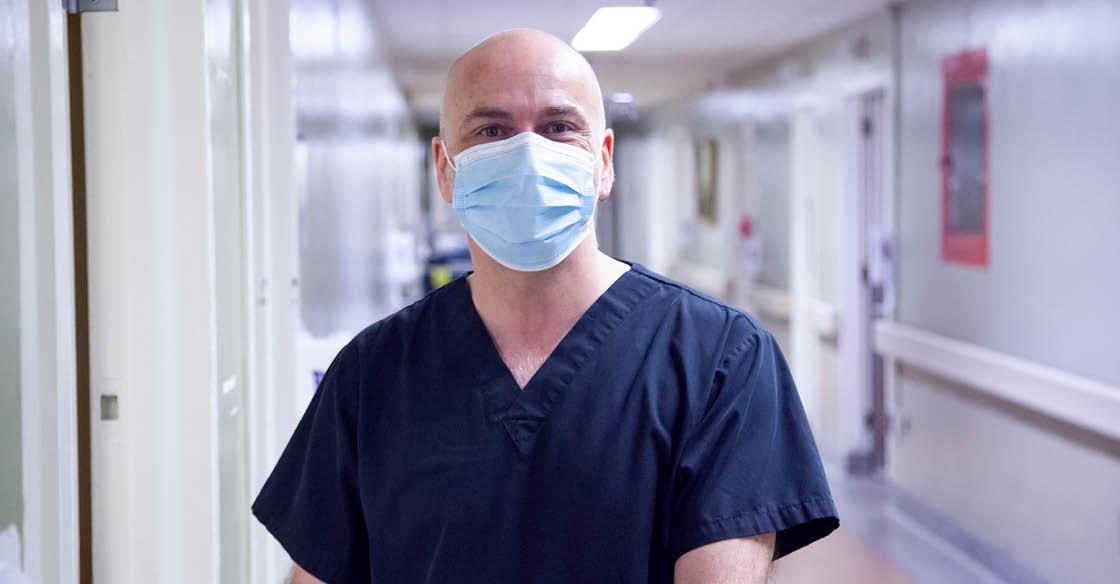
<point x="522" y="411"/>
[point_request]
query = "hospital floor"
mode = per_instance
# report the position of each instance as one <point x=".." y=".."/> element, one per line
<point x="877" y="544"/>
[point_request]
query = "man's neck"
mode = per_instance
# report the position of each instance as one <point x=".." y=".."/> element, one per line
<point x="522" y="305"/>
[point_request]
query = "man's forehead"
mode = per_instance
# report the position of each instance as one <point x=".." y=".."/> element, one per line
<point x="514" y="81"/>
<point x="517" y="98"/>
<point x="557" y="62"/>
<point x="521" y="71"/>
<point x="520" y="95"/>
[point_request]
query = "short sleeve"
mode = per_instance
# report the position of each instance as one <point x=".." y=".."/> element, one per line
<point x="750" y="465"/>
<point x="310" y="502"/>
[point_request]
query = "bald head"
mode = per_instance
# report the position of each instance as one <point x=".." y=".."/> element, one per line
<point x="520" y="68"/>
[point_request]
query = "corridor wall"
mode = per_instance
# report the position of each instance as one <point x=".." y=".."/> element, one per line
<point x="1037" y="489"/>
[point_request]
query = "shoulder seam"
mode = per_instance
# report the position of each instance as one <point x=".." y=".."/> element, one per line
<point x="740" y="349"/>
<point x="701" y="296"/>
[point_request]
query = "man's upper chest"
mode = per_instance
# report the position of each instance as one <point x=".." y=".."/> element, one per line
<point x="606" y="447"/>
<point x="621" y="410"/>
<point x="618" y="392"/>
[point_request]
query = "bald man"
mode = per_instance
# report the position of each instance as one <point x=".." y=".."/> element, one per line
<point x="557" y="415"/>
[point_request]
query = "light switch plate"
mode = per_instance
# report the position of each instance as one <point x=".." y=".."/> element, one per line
<point x="110" y="408"/>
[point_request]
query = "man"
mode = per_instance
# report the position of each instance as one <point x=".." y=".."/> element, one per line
<point x="557" y="415"/>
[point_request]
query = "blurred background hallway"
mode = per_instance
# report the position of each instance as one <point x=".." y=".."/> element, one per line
<point x="203" y="200"/>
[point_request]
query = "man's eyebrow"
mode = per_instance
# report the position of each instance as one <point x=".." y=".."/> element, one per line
<point x="488" y="113"/>
<point x="563" y="111"/>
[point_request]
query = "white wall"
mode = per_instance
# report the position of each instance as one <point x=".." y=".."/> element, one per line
<point x="1038" y="489"/>
<point x="1050" y="292"/>
<point x="151" y="294"/>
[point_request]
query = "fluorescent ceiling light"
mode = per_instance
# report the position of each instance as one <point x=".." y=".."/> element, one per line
<point x="613" y="28"/>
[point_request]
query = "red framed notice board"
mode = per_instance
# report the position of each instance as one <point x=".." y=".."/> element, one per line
<point x="964" y="159"/>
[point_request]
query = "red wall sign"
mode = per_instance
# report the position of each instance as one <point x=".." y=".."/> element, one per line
<point x="964" y="159"/>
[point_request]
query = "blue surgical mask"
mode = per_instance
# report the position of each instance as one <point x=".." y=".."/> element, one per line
<point x="527" y="201"/>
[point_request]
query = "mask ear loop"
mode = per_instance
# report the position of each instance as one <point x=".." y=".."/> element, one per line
<point x="443" y="147"/>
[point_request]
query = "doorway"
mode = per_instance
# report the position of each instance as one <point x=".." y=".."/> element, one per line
<point x="869" y="283"/>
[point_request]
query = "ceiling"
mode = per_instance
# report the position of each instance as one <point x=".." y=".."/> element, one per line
<point x="692" y="46"/>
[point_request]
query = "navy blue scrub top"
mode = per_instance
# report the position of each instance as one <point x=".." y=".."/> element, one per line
<point x="663" y="421"/>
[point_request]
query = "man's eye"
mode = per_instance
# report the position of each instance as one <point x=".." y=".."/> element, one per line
<point x="491" y="131"/>
<point x="559" y="127"/>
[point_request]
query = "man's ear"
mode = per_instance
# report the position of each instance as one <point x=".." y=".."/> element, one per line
<point x="442" y="168"/>
<point x="606" y="165"/>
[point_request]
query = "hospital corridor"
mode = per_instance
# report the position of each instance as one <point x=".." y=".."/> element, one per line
<point x="526" y="291"/>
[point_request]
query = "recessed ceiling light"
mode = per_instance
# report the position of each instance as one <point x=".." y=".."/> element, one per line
<point x="613" y="28"/>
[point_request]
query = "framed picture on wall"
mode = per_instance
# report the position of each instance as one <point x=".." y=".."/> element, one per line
<point x="707" y="173"/>
<point x="964" y="159"/>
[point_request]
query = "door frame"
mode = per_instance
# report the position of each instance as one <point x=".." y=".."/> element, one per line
<point x="857" y="349"/>
<point x="804" y="158"/>
<point x="268" y="132"/>
<point x="47" y="337"/>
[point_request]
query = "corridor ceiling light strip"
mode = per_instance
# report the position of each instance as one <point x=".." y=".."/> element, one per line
<point x="613" y="28"/>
